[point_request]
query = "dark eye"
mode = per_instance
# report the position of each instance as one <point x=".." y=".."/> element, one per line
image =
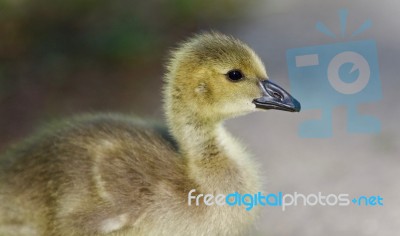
<point x="235" y="75"/>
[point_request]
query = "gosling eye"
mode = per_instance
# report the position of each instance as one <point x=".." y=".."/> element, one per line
<point x="235" y="75"/>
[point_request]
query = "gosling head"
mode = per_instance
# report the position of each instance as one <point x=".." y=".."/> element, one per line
<point x="214" y="77"/>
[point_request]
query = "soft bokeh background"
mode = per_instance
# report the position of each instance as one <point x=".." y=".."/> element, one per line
<point x="59" y="58"/>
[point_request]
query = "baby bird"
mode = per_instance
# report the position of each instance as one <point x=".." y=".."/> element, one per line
<point x="111" y="174"/>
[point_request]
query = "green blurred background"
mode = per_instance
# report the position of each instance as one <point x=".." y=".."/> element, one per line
<point x="61" y="57"/>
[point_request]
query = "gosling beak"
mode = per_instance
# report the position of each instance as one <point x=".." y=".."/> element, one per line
<point x="275" y="97"/>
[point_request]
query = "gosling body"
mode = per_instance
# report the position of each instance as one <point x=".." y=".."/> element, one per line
<point x="110" y="174"/>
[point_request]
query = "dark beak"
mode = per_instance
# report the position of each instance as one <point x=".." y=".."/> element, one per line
<point x="275" y="97"/>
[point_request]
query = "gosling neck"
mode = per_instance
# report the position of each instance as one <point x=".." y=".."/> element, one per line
<point x="216" y="161"/>
<point x="196" y="138"/>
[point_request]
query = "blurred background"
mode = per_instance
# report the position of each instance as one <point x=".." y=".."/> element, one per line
<point x="63" y="57"/>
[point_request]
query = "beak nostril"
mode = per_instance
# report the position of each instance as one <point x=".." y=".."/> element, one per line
<point x="277" y="95"/>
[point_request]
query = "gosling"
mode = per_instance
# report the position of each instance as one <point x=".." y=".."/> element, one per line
<point x="111" y="174"/>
